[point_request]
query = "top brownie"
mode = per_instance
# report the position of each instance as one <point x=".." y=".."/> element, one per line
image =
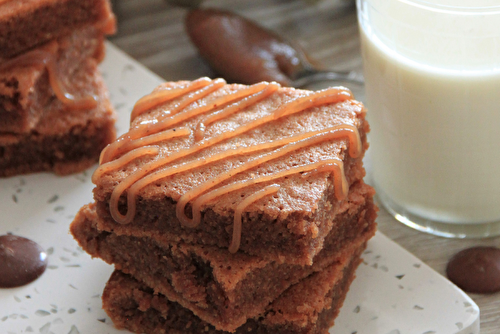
<point x="261" y="169"/>
<point x="30" y="23"/>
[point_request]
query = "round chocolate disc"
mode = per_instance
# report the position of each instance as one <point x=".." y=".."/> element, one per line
<point x="21" y="261"/>
<point x="476" y="269"/>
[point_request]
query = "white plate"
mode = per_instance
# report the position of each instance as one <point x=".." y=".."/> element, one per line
<point x="393" y="293"/>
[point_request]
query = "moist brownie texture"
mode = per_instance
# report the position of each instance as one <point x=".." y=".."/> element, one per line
<point x="25" y="91"/>
<point x="30" y="23"/>
<point x="289" y="223"/>
<point x="221" y="288"/>
<point x="65" y="140"/>
<point x="309" y="306"/>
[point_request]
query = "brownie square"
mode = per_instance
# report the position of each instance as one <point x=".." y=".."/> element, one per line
<point x="220" y="288"/>
<point x="307" y="307"/>
<point x="30" y="23"/>
<point x="65" y="140"/>
<point x="26" y="93"/>
<point x="195" y="167"/>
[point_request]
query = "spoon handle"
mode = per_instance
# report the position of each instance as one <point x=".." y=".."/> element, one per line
<point x="310" y="76"/>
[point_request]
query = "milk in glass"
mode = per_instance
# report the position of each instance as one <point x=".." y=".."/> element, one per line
<point x="433" y="99"/>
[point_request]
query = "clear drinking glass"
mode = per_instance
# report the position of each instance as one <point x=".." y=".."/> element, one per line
<point x="432" y="72"/>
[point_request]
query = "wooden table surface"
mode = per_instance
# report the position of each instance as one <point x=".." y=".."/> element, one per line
<point x="152" y="32"/>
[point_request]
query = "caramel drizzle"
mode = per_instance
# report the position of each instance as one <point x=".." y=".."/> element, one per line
<point x="335" y="166"/>
<point x="123" y="160"/>
<point x="245" y="97"/>
<point x="110" y="152"/>
<point x="160" y="97"/>
<point x="108" y="25"/>
<point x="48" y="59"/>
<point x="235" y="242"/>
<point x="145" y="134"/>
<point x="336" y="133"/>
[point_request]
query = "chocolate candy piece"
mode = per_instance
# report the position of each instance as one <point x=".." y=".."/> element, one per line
<point x="21" y="261"/>
<point x="476" y="269"/>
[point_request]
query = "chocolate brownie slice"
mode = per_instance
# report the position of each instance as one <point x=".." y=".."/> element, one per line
<point x="221" y="288"/>
<point x="30" y="23"/>
<point x="261" y="168"/>
<point x="27" y="87"/>
<point x="307" y="307"/>
<point x="65" y="140"/>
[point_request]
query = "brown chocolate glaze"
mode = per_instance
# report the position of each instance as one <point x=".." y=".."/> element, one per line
<point x="21" y="261"/>
<point x="240" y="50"/>
<point x="476" y="269"/>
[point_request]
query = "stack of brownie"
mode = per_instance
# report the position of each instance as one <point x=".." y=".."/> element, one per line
<point x="231" y="208"/>
<point x="55" y="114"/>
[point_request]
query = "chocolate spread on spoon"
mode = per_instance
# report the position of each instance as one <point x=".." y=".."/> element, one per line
<point x="21" y="261"/>
<point x="242" y="51"/>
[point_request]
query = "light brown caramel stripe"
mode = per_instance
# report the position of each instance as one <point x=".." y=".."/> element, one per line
<point x="47" y="59"/>
<point x="164" y="95"/>
<point x="340" y="183"/>
<point x="336" y="165"/>
<point x="235" y="243"/>
<point x="249" y="95"/>
<point x="148" y="133"/>
<point x="260" y="91"/>
<point x="108" y="26"/>
<point x="123" y="160"/>
<point x="110" y="152"/>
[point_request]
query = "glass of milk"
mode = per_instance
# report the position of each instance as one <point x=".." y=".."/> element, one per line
<point x="432" y="71"/>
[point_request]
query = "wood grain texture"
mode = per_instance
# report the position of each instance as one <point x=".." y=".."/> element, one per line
<point x="152" y="32"/>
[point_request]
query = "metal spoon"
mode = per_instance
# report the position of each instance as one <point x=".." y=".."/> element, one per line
<point x="310" y="74"/>
<point x="313" y="75"/>
<point x="242" y="51"/>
